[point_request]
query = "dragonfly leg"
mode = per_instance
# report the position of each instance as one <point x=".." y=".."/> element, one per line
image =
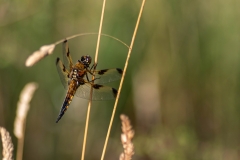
<point x="87" y="77"/>
<point x="92" y="80"/>
<point x="91" y="71"/>
<point x="94" y="66"/>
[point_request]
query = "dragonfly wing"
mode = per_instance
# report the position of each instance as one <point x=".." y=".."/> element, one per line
<point x="62" y="72"/>
<point x="67" y="60"/>
<point x="107" y="75"/>
<point x="100" y="92"/>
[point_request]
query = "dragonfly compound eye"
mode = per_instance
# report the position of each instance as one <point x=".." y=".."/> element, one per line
<point x="86" y="60"/>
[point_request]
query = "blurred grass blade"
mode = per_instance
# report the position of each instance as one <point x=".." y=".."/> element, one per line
<point x="21" y="114"/>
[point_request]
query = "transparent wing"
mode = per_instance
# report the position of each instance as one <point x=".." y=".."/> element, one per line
<point x="62" y="72"/>
<point x="100" y="92"/>
<point x="107" y="75"/>
<point x="67" y="60"/>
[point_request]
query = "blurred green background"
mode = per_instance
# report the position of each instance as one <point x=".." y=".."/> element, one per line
<point x="181" y="89"/>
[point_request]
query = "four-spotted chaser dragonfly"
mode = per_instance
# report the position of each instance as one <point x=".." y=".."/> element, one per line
<point x="75" y="79"/>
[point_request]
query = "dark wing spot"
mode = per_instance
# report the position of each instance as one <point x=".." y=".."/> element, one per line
<point x="68" y="53"/>
<point x="101" y="72"/>
<point x="97" y="86"/>
<point x="64" y="69"/>
<point x="65" y="41"/>
<point x="57" y="60"/>
<point x="114" y="92"/>
<point x="119" y="70"/>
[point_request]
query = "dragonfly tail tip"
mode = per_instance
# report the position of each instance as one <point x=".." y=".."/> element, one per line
<point x="58" y="119"/>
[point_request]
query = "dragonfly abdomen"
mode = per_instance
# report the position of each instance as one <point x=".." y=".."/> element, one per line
<point x="66" y="102"/>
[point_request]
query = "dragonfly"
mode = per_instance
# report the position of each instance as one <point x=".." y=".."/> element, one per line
<point x="75" y="78"/>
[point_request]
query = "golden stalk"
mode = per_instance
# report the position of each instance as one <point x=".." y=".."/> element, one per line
<point x="95" y="64"/>
<point x="122" y="79"/>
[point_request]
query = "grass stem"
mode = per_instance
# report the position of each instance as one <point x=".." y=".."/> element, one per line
<point x="95" y="63"/>
<point x="122" y="79"/>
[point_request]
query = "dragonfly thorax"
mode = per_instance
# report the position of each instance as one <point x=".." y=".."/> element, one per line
<point x="77" y="74"/>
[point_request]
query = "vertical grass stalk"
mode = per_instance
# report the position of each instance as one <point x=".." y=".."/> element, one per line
<point x="95" y="64"/>
<point x="122" y="79"/>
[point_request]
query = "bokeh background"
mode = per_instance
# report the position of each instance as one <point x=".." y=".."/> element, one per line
<point x="181" y="89"/>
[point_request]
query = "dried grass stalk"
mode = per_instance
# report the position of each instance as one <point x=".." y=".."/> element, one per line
<point x="91" y="92"/>
<point x="7" y="144"/>
<point x="48" y="49"/>
<point x="126" y="138"/>
<point x="122" y="79"/>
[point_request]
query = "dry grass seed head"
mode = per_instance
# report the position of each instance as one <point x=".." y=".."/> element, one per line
<point x="7" y="144"/>
<point x="126" y="138"/>
<point x="23" y="107"/>
<point x="39" y="54"/>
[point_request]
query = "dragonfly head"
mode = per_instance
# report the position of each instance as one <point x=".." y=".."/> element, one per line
<point x="86" y="60"/>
